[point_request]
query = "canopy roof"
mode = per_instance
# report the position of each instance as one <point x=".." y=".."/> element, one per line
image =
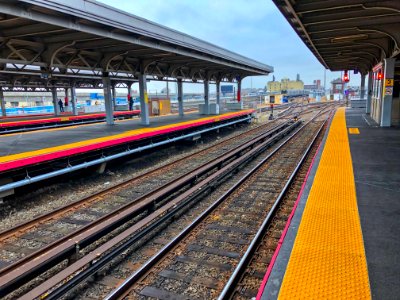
<point x="346" y="34"/>
<point x="54" y="42"/>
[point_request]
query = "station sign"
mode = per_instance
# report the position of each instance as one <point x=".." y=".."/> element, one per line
<point x="226" y="89"/>
<point x="389" y="82"/>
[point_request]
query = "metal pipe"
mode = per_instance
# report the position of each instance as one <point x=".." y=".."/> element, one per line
<point x="69" y="169"/>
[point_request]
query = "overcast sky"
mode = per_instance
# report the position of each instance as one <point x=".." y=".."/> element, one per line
<point x="255" y="29"/>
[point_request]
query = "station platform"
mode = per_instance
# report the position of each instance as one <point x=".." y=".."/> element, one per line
<point x="23" y="123"/>
<point x="32" y="148"/>
<point x="342" y="240"/>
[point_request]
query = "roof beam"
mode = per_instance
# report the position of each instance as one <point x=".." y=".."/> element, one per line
<point x="341" y="17"/>
<point x="392" y="20"/>
<point x="35" y="29"/>
<point x="323" y="5"/>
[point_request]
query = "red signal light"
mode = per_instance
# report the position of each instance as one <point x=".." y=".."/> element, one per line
<point x="379" y="75"/>
<point x="346" y="77"/>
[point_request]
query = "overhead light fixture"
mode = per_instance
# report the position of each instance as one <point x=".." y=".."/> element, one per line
<point x="349" y="38"/>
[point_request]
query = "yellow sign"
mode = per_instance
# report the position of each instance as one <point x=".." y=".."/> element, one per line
<point x="389" y="82"/>
<point x="146" y="98"/>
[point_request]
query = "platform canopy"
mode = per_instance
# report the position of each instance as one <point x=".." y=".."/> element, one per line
<point x="59" y="43"/>
<point x="346" y="34"/>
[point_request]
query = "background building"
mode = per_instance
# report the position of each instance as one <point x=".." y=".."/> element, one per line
<point x="285" y="85"/>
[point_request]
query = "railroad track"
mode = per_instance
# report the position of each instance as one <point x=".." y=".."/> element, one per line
<point x="75" y="247"/>
<point x="198" y="262"/>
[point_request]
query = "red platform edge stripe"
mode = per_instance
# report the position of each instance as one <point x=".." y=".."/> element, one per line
<point x="65" y="119"/>
<point x="64" y="153"/>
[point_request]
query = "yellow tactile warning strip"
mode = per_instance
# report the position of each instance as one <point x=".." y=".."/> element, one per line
<point x="328" y="258"/>
<point x="354" y="130"/>
<point x="134" y="132"/>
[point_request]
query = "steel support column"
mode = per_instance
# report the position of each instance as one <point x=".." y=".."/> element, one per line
<point x="387" y="96"/>
<point x="369" y="92"/>
<point x="55" y="101"/>
<point x="218" y="93"/>
<point x="239" y="93"/>
<point x="207" y="97"/>
<point x="239" y="90"/>
<point x="114" y="97"/>
<point x="129" y="96"/>
<point x="108" y="103"/>
<point x="362" y="94"/>
<point x="144" y="100"/>
<point x="73" y="101"/>
<point x="3" y="104"/>
<point x="180" y="97"/>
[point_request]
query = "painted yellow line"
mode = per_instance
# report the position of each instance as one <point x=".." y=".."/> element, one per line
<point x="328" y="258"/>
<point x="129" y="133"/>
<point x="354" y="131"/>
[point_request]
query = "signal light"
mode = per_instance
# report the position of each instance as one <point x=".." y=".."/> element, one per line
<point x="379" y="76"/>
<point x="346" y="77"/>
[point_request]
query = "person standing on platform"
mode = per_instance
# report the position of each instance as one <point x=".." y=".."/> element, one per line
<point x="130" y="100"/>
<point x="61" y="104"/>
<point x="66" y="101"/>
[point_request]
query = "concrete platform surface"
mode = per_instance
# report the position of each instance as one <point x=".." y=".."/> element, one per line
<point x="28" y="148"/>
<point x="376" y="162"/>
<point x="375" y="154"/>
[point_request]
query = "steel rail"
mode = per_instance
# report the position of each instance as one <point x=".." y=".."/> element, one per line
<point x="30" y="180"/>
<point x="16" y="274"/>
<point x="243" y="263"/>
<point x="95" y="263"/>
